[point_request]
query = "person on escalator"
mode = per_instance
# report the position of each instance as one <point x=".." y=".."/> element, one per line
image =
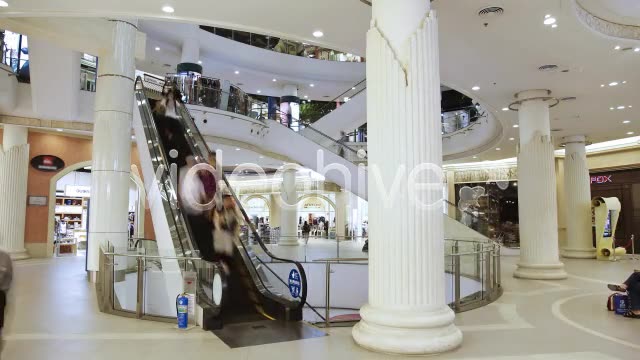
<point x="226" y="226"/>
<point x="170" y="129"/>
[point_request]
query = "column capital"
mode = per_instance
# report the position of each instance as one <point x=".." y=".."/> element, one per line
<point x="533" y="95"/>
<point x="575" y="139"/>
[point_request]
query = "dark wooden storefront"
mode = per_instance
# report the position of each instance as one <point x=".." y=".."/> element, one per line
<point x="625" y="185"/>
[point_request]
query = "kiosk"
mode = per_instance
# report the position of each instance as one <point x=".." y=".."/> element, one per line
<point x="606" y="212"/>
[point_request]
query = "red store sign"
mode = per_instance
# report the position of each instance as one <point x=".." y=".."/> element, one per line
<point x="601" y="179"/>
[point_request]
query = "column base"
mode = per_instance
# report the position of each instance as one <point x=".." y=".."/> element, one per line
<point x="18" y="254"/>
<point x="573" y="253"/>
<point x="541" y="271"/>
<point x="407" y="332"/>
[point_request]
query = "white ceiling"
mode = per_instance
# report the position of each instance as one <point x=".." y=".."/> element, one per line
<point x="625" y="12"/>
<point x="257" y="67"/>
<point x="501" y="57"/>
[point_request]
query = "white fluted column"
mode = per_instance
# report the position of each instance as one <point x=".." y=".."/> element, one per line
<point x="342" y="212"/>
<point x="190" y="45"/>
<point x="406" y="312"/>
<point x="537" y="202"/>
<point x="577" y="189"/>
<point x="111" y="166"/>
<point x="289" y="212"/>
<point x="14" y="167"/>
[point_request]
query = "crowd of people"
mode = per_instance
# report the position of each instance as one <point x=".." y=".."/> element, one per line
<point x="209" y="205"/>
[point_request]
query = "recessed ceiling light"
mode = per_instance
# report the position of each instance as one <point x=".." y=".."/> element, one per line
<point x="505" y="109"/>
<point x="346" y="98"/>
<point x="59" y="130"/>
<point x="157" y="48"/>
<point x="200" y="62"/>
<point x="306" y="96"/>
<point x="168" y="9"/>
<point x="274" y="80"/>
<point x="629" y="106"/>
<point x="620" y="107"/>
<point x="624" y="82"/>
<point x="261" y="157"/>
<point x="547" y="16"/>
<point x="498" y="149"/>
<point x="611" y="108"/>
<point x="516" y="126"/>
<point x="475" y="88"/>
<point x="318" y="34"/>
<point x="236" y="72"/>
<point x="475" y="157"/>
<point x="550" y="21"/>
<point x="636" y="49"/>
<point x="601" y="85"/>
<point x="133" y="137"/>
<point x="630" y="133"/>
<point x="626" y="121"/>
<point x="237" y="164"/>
<point x="511" y="139"/>
<point x="312" y="85"/>
<point x="615" y="83"/>
<point x="237" y="149"/>
<point x="258" y="91"/>
<point x="617" y="47"/>
<point x="353" y="88"/>
<point x="3" y="4"/>
<point x="554" y="26"/>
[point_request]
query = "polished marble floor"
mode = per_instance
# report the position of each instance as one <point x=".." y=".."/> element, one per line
<point x="53" y="315"/>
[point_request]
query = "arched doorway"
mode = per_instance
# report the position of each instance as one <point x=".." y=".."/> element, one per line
<point x="318" y="210"/>
<point x="136" y="190"/>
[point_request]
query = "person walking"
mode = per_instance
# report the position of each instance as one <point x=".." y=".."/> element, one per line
<point x="6" y="276"/>
<point x="306" y="229"/>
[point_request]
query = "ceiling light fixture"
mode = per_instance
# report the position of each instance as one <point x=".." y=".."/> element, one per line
<point x="547" y="16"/>
<point x="615" y="83"/>
<point x="346" y="98"/>
<point x="617" y="47"/>
<point x="624" y="82"/>
<point x="157" y="48"/>
<point x="261" y="157"/>
<point x="511" y="139"/>
<point x="475" y="88"/>
<point x="475" y="157"/>
<point x="601" y="85"/>
<point x="630" y="133"/>
<point x="312" y="85"/>
<point x="274" y="80"/>
<point x="621" y="107"/>
<point x="505" y="109"/>
<point x="353" y="88"/>
<point x="554" y="26"/>
<point x="200" y="62"/>
<point x="629" y="106"/>
<point x="550" y="21"/>
<point x="610" y="108"/>
<point x="516" y="126"/>
<point x="318" y="34"/>
<point x="626" y="121"/>
<point x="168" y="9"/>
<point x="636" y="49"/>
<point x="306" y="96"/>
<point x="236" y="72"/>
<point x="3" y="4"/>
<point x="498" y="149"/>
<point x="237" y="149"/>
<point x="60" y="130"/>
<point x="259" y="91"/>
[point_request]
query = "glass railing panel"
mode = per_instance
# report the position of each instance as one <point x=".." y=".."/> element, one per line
<point x="125" y="290"/>
<point x="163" y="278"/>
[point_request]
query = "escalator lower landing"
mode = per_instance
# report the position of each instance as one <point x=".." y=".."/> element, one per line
<point x="266" y="332"/>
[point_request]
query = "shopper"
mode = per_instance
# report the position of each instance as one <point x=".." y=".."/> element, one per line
<point x="326" y="229"/>
<point x="226" y="227"/>
<point x="632" y="287"/>
<point x="306" y="229"/>
<point x="170" y="128"/>
<point x="6" y="276"/>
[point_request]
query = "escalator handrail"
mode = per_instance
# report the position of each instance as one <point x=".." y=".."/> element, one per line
<point x="205" y="157"/>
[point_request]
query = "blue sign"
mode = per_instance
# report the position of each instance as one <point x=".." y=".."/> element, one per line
<point x="294" y="283"/>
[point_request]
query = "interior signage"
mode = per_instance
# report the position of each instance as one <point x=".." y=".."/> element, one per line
<point x="601" y="179"/>
<point x="77" y="191"/>
<point x="47" y="163"/>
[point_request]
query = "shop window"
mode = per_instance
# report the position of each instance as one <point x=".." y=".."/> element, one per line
<point x="88" y="72"/>
<point x="15" y="53"/>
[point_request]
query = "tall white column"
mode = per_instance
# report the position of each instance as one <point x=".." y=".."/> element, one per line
<point x="537" y="209"/>
<point x="342" y="212"/>
<point x="14" y="167"/>
<point x="289" y="212"/>
<point x="190" y="45"/>
<point x="111" y="166"/>
<point x="577" y="189"/>
<point x="406" y="312"/>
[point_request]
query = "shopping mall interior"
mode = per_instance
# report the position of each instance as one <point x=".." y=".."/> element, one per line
<point x="195" y="179"/>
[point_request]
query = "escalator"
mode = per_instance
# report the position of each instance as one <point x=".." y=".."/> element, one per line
<point x="254" y="289"/>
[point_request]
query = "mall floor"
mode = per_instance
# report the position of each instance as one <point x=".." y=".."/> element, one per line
<point x="54" y="316"/>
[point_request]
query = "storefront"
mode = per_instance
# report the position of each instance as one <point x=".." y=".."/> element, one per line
<point x="625" y="185"/>
<point x="318" y="211"/>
